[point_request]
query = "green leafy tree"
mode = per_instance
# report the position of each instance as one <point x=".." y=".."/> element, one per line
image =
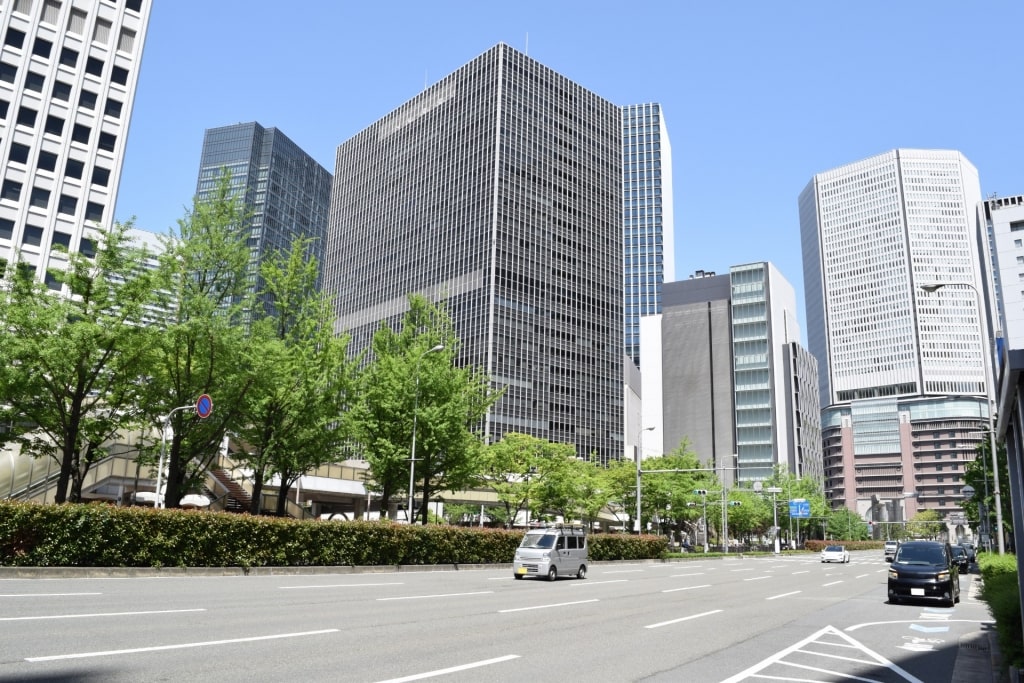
<point x="411" y="380"/>
<point x="845" y="524"/>
<point x="666" y="494"/>
<point x="978" y="474"/>
<point x="71" y="358"/>
<point x="200" y="347"/>
<point x="290" y="418"/>
<point x="925" y="524"/>
<point x="515" y="466"/>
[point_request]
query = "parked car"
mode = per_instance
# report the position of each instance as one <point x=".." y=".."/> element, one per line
<point x="549" y="552"/>
<point x="963" y="563"/>
<point x="890" y="550"/>
<point x="835" y="553"/>
<point x="924" y="570"/>
<point x="972" y="552"/>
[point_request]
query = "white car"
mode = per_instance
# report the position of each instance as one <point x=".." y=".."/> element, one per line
<point x="835" y="553"/>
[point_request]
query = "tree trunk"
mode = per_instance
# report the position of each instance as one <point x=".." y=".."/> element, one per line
<point x="257" y="490"/>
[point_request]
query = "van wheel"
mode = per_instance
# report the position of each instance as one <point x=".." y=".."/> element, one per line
<point x="552" y="573"/>
<point x="517" y="576"/>
<point x="581" y="573"/>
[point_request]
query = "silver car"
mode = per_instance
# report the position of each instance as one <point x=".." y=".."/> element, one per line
<point x="553" y="551"/>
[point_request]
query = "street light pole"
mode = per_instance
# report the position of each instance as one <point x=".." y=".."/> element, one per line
<point x="775" y="515"/>
<point x="415" y="409"/>
<point x="990" y="397"/>
<point x="160" y="502"/>
<point x="639" y="457"/>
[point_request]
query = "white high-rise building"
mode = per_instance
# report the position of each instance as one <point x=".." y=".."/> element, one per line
<point x="901" y="364"/>
<point x="68" y="71"/>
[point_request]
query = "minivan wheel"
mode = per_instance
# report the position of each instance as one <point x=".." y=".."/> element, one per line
<point x="581" y="573"/>
<point x="552" y="573"/>
<point x="517" y="576"/>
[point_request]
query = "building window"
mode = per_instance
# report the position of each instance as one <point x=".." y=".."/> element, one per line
<point x="74" y="168"/>
<point x="23" y="6"/>
<point x="8" y="72"/>
<point x="27" y="117"/>
<point x="101" y="32"/>
<point x="39" y="198"/>
<point x="107" y="142"/>
<point x="87" y="248"/>
<point x="67" y="204"/>
<point x="134" y="5"/>
<point x="80" y="133"/>
<point x="52" y="283"/>
<point x="100" y="176"/>
<point x="19" y="153"/>
<point x="1018" y="243"/>
<point x="61" y="239"/>
<point x="14" y="38"/>
<point x="47" y="161"/>
<point x="51" y="12"/>
<point x="113" y="109"/>
<point x="4" y="106"/>
<point x="33" y="236"/>
<point x="54" y="125"/>
<point x="119" y="75"/>
<point x="11" y="190"/>
<point x="93" y="211"/>
<point x="68" y="57"/>
<point x="126" y="41"/>
<point x="35" y="82"/>
<point x="94" y="66"/>
<point x="87" y="100"/>
<point x="76" y="22"/>
<point x="6" y="229"/>
<point x="42" y="48"/>
<point x="61" y="91"/>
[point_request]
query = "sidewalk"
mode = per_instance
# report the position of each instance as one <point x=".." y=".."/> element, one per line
<point x="978" y="660"/>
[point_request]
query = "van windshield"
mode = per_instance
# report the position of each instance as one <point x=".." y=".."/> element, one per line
<point x="538" y="541"/>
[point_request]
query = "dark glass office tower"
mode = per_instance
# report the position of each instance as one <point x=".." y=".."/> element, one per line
<point x="499" y="190"/>
<point x="287" y="191"/>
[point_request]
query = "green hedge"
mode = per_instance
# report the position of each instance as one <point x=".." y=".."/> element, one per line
<point x="1001" y="590"/>
<point x="95" y="535"/>
<point x="817" y="546"/>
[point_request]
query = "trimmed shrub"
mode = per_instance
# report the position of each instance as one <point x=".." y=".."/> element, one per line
<point x="1001" y="590"/>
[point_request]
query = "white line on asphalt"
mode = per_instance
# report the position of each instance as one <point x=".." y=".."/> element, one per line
<point x="557" y="604"/>
<point x="680" y="576"/>
<point x="757" y="578"/>
<point x="912" y="621"/>
<point x="687" y="588"/>
<point x="102" y="614"/>
<point x="157" y="648"/>
<point x="676" y="621"/>
<point x="339" y="585"/>
<point x="44" y="595"/>
<point x="782" y="595"/>
<point x="438" y="595"/>
<point x="805" y="571"/>
<point x="597" y="583"/>
<point x="748" y="569"/>
<point x="861" y="576"/>
<point x="831" y="583"/>
<point x="625" y="571"/>
<point x="442" y="672"/>
<point x="845" y="659"/>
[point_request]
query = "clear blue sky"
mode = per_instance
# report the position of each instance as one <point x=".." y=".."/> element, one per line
<point x="758" y="96"/>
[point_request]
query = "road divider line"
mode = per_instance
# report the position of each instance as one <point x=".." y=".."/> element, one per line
<point x="681" y="576"/>
<point x="45" y="595"/>
<point x="103" y="614"/>
<point x="783" y="595"/>
<point x="625" y="571"/>
<point x="861" y="576"/>
<point x="757" y="578"/>
<point x="437" y="595"/>
<point x="450" y="670"/>
<point x="598" y="583"/>
<point x="748" y="569"/>
<point x="676" y="621"/>
<point x="686" y="588"/>
<point x="557" y="604"/>
<point x="805" y="571"/>
<point x="338" y="585"/>
<point x="830" y="583"/>
<point x="182" y="646"/>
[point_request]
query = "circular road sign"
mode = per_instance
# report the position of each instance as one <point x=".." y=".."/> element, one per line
<point x="204" y="406"/>
<point x="968" y="492"/>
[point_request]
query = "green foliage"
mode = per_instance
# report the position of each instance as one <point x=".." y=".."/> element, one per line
<point x="1001" y="590"/>
<point x="816" y="545"/>
<point x="104" y="536"/>
<point x="846" y="525"/>
<point x="925" y="524"/>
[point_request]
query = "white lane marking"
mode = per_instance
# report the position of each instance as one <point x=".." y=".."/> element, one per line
<point x="831" y="583"/>
<point x="845" y="659"/>
<point x="860" y="576"/>
<point x="778" y="658"/>
<point x="912" y="621"/>
<point x="102" y="614"/>
<point x="339" y="585"/>
<point x="682" y="576"/>
<point x="626" y="571"/>
<point x="44" y="595"/>
<point x="676" y="621"/>
<point x="782" y="595"/>
<point x="453" y="669"/>
<point x="437" y="595"/>
<point x="686" y="588"/>
<point x="929" y="629"/>
<point x="757" y="578"/>
<point x="598" y="583"/>
<point x="806" y="571"/>
<point x="157" y="648"/>
<point x="748" y="569"/>
<point x="557" y="604"/>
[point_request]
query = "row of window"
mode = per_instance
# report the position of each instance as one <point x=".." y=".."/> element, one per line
<point x="68" y="57"/>
<point x="40" y="198"/>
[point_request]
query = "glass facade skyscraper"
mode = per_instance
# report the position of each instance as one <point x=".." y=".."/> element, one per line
<point x="647" y="215"/>
<point x="498" y="190"/>
<point x="68" y="72"/>
<point x="286" y="191"/>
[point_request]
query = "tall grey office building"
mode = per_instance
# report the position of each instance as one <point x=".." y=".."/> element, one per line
<point x="285" y="189"/>
<point x="68" y="72"/>
<point x="647" y="214"/>
<point x="499" y="190"/>
<point x="902" y="370"/>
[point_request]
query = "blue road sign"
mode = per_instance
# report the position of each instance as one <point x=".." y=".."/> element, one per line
<point x="799" y="508"/>
<point x="204" y="406"/>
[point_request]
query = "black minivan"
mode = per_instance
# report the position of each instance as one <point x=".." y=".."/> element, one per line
<point x="924" y="570"/>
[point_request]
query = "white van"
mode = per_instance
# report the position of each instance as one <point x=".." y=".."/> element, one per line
<point x="552" y="551"/>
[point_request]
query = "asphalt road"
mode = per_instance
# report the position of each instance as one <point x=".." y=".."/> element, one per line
<point x="736" y="619"/>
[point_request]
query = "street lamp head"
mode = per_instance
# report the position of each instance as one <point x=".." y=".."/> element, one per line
<point x="438" y="347"/>
<point x="935" y="286"/>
